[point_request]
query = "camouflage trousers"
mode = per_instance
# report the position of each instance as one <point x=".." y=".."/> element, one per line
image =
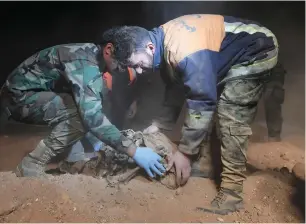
<point x="60" y="112"/>
<point x="236" y="110"/>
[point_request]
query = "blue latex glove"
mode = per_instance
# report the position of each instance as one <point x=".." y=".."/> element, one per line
<point x="149" y="161"/>
<point x="97" y="146"/>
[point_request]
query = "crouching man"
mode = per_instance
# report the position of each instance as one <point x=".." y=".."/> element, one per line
<point x="120" y="103"/>
<point x="62" y="86"/>
<point x="206" y="51"/>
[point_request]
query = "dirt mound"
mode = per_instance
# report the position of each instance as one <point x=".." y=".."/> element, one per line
<point x="275" y="155"/>
<point x="269" y="195"/>
<point x="31" y="200"/>
<point x="79" y="198"/>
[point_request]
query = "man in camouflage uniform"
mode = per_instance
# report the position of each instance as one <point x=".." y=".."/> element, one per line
<point x="121" y="104"/>
<point x="62" y="86"/>
<point x="206" y="51"/>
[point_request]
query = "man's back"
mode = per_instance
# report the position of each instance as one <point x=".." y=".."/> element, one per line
<point x="223" y="41"/>
<point x="45" y="70"/>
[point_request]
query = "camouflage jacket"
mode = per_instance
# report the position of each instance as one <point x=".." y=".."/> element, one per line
<point x="73" y="68"/>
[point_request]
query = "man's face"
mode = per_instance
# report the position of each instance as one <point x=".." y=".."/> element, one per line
<point x="141" y="61"/>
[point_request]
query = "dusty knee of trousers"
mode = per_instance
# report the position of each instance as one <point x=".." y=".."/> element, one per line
<point x="65" y="133"/>
<point x="62" y="107"/>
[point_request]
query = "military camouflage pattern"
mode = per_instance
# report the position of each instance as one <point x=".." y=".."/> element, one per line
<point x="60" y="112"/>
<point x="236" y="111"/>
<point x="62" y="86"/>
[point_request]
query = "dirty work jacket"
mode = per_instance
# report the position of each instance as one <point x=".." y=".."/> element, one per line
<point x="206" y="50"/>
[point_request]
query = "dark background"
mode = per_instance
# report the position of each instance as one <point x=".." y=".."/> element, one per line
<point x="27" y="27"/>
<point x="30" y="26"/>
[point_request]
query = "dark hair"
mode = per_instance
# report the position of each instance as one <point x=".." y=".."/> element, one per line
<point x="126" y="39"/>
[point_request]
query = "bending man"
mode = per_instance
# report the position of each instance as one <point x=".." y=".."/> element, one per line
<point x="204" y="51"/>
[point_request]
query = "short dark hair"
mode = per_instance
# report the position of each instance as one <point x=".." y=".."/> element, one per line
<point x="126" y="39"/>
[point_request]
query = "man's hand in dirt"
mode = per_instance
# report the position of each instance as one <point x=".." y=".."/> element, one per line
<point x="182" y="167"/>
<point x="149" y="160"/>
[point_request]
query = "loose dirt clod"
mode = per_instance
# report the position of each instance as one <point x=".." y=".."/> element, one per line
<point x="299" y="171"/>
<point x="220" y="219"/>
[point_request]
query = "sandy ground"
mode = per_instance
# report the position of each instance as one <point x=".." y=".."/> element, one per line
<point x="269" y="196"/>
<point x="79" y="198"/>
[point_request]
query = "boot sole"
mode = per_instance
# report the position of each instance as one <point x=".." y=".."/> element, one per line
<point x="222" y="212"/>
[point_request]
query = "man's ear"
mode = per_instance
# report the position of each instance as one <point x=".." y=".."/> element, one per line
<point x="151" y="46"/>
<point x="108" y="50"/>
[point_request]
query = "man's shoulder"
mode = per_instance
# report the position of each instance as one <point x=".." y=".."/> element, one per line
<point x="78" y="51"/>
<point x="76" y="47"/>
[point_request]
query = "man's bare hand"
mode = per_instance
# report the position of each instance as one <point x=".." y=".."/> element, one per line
<point x="182" y="167"/>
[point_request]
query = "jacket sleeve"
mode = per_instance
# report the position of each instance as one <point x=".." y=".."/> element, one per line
<point x="200" y="81"/>
<point x="87" y="88"/>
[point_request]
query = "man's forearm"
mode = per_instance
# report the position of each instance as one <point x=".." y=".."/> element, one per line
<point x="111" y="136"/>
<point x="126" y="146"/>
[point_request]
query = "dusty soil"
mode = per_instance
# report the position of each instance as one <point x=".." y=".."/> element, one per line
<point x="269" y="195"/>
<point x="79" y="198"/>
